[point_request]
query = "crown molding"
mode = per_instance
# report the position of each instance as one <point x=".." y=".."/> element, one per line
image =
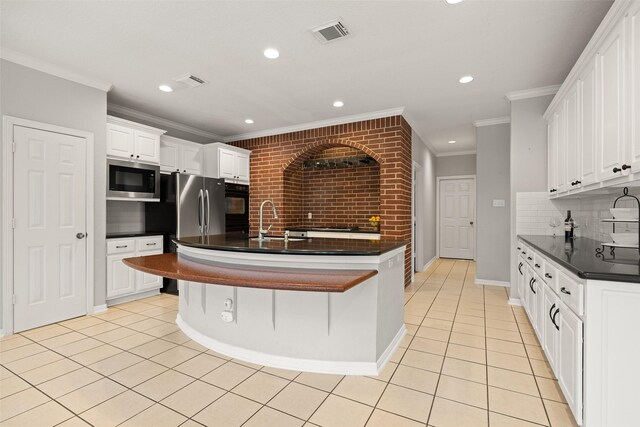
<point x="456" y="153"/>
<point x="318" y="124"/>
<point x="162" y="122"/>
<point x="532" y="93"/>
<point x="422" y="139"/>
<point x="45" y="67"/>
<point x="491" y="122"/>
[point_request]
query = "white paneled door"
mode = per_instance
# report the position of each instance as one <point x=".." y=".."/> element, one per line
<point x="456" y="217"/>
<point x="50" y="227"/>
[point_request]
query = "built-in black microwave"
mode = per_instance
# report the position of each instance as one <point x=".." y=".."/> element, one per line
<point x="132" y="181"/>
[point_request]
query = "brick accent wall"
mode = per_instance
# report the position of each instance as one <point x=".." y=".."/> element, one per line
<point x="345" y="197"/>
<point x="276" y="172"/>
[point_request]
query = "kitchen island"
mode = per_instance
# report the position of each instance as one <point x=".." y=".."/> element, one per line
<point x="317" y="305"/>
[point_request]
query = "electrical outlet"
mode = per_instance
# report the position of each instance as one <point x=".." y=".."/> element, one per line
<point x="310" y="215"/>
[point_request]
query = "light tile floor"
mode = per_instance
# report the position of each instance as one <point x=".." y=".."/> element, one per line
<point x="470" y="359"/>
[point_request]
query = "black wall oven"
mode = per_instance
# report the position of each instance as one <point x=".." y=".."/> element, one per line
<point x="132" y="181"/>
<point x="236" y="207"/>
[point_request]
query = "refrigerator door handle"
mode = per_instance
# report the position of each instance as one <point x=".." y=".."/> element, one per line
<point x="208" y="214"/>
<point x="200" y="211"/>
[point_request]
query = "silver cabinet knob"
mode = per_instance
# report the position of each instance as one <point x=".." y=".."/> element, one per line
<point x="80" y="236"/>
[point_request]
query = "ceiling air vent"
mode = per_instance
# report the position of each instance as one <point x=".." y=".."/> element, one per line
<point x="190" y="80"/>
<point x="331" y="31"/>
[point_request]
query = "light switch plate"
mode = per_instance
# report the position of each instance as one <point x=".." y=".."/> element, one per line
<point x="310" y="215"/>
<point x="498" y="203"/>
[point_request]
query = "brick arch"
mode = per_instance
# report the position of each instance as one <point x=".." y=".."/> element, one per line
<point x="316" y="147"/>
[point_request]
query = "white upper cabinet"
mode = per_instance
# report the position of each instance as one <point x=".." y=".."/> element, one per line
<point x="572" y="138"/>
<point x="133" y="141"/>
<point x="610" y="120"/>
<point x="633" y="78"/>
<point x="594" y="120"/>
<point x="228" y="162"/>
<point x="179" y="155"/>
<point x="587" y="143"/>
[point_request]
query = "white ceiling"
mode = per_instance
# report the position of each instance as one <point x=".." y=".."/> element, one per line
<point x="402" y="53"/>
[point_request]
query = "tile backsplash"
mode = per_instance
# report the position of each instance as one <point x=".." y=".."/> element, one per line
<point x="536" y="214"/>
<point x="123" y="216"/>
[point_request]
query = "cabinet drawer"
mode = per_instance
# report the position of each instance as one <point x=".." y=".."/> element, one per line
<point x="120" y="246"/>
<point x="539" y="265"/>
<point x="529" y="256"/>
<point x="146" y="244"/>
<point x="550" y="276"/>
<point x="571" y="293"/>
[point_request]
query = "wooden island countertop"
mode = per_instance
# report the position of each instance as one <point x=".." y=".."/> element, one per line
<point x="180" y="267"/>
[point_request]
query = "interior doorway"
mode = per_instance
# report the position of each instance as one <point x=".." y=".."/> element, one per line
<point x="48" y="215"/>
<point x="456" y="217"/>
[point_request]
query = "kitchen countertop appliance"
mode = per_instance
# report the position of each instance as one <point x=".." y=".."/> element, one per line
<point x="190" y="205"/>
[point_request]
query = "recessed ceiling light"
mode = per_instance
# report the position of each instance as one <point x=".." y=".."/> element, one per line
<point x="249" y="121"/>
<point x="452" y="142"/>
<point x="165" y="88"/>
<point x="453" y="1"/>
<point x="271" y="53"/>
<point x="338" y="104"/>
<point x="466" y="79"/>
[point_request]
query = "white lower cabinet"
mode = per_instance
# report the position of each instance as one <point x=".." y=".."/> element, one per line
<point x="569" y="363"/>
<point x="122" y="280"/>
<point x="588" y="330"/>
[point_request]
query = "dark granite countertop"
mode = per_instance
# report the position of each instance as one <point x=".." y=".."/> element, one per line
<point x="336" y="229"/>
<point x="123" y="234"/>
<point x="314" y="246"/>
<point x="582" y="260"/>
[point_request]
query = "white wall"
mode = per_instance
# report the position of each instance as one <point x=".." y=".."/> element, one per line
<point x="528" y="159"/>
<point x="492" y="183"/>
<point x="33" y="95"/>
<point x="425" y="199"/>
<point x="464" y="164"/>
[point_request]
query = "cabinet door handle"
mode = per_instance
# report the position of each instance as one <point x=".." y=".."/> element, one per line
<point x="548" y="276"/>
<point x="151" y="244"/>
<point x="622" y="168"/>
<point x="565" y="291"/>
<point x="553" y="319"/>
<point x="132" y="156"/>
<point x="553" y="190"/>
<point x="520" y="268"/>
<point x="537" y="265"/>
<point x="518" y="248"/>
<point x="524" y="253"/>
<point x="137" y="157"/>
<point x="529" y="258"/>
<point x="122" y="246"/>
<point x="550" y="311"/>
<point x="625" y="167"/>
<point x="531" y="286"/>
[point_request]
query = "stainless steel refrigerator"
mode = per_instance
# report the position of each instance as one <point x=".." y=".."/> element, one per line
<point x="200" y="205"/>
<point x="190" y="205"/>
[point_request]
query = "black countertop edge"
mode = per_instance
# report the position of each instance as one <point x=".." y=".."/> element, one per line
<point x="583" y="261"/>
<point x="120" y="235"/>
<point x="359" y="230"/>
<point x="312" y="246"/>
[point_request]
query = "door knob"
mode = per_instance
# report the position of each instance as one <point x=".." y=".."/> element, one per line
<point x="80" y="236"/>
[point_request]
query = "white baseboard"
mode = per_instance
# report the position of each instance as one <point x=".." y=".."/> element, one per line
<point x="391" y="348"/>
<point x="515" y="301"/>
<point x="1" y="333"/>
<point x="291" y="363"/>
<point x="427" y="265"/>
<point x="493" y="282"/>
<point x="129" y="298"/>
<point x="99" y="309"/>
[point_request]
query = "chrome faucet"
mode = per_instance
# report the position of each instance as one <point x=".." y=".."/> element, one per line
<point x="261" y="231"/>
